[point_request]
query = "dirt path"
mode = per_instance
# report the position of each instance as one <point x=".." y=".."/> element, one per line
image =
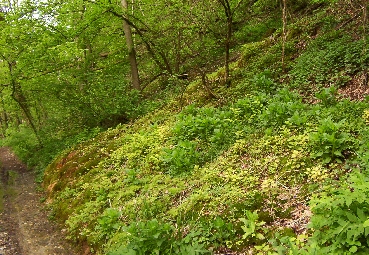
<point x="24" y="225"/>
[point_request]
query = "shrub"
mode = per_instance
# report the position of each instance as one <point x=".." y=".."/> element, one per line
<point x="154" y="237"/>
<point x="181" y="158"/>
<point x="340" y="218"/>
<point x="329" y="141"/>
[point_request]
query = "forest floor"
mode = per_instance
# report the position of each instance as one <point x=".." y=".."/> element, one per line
<point x="25" y="228"/>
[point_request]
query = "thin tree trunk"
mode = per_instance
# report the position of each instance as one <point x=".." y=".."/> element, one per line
<point x="150" y="46"/>
<point x="5" y="117"/>
<point x="284" y="33"/>
<point x="22" y="102"/>
<point x="18" y="96"/>
<point x="229" y="14"/>
<point x="227" y="50"/>
<point x="178" y="52"/>
<point x="365" y="20"/>
<point x="4" y="121"/>
<point x="131" y="49"/>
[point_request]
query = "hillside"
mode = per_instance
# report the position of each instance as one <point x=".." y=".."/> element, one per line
<point x="268" y="157"/>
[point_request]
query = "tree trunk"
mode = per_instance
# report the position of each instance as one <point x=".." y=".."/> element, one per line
<point x="131" y="49"/>
<point x="227" y="45"/>
<point x="178" y="52"/>
<point x="22" y="102"/>
<point x="365" y="19"/>
<point x="5" y="118"/>
<point x="227" y="50"/>
<point x="18" y="96"/>
<point x="4" y="121"/>
<point x="284" y="32"/>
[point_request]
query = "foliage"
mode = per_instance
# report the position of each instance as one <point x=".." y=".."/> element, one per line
<point x="252" y="226"/>
<point x="192" y="166"/>
<point x="340" y="220"/>
<point x="182" y="158"/>
<point x="330" y="59"/>
<point x="22" y="141"/>
<point x="329" y="142"/>
<point x="169" y="169"/>
<point x="327" y="96"/>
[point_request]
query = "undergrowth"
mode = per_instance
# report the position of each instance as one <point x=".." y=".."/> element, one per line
<point x="229" y="169"/>
<point x="207" y="178"/>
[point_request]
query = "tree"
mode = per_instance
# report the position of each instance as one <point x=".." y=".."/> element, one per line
<point x="229" y="12"/>
<point x="18" y="34"/>
<point x="284" y="32"/>
<point x="131" y="49"/>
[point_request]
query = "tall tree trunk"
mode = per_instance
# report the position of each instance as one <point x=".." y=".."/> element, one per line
<point x="229" y="15"/>
<point x="227" y="50"/>
<point x="284" y="32"/>
<point x="5" y="118"/>
<point x="178" y="52"/>
<point x="131" y="49"/>
<point x="18" y="96"/>
<point x="365" y="20"/>
<point x="22" y="102"/>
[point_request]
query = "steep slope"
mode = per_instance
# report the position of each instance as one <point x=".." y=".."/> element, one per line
<point x="238" y="169"/>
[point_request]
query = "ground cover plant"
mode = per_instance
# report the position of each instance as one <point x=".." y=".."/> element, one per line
<point x="251" y="158"/>
<point x="183" y="182"/>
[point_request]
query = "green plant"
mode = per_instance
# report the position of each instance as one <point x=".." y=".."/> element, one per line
<point x="329" y="141"/>
<point x="250" y="107"/>
<point x="330" y="59"/>
<point x="327" y="96"/>
<point x="207" y="124"/>
<point x="215" y="232"/>
<point x="284" y="106"/>
<point x="108" y="223"/>
<point x="252" y="228"/>
<point x="181" y="158"/>
<point x="154" y="237"/>
<point x="290" y="245"/>
<point x="264" y="82"/>
<point x="340" y="217"/>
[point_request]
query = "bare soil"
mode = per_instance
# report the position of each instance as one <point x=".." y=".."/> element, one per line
<point x="24" y="225"/>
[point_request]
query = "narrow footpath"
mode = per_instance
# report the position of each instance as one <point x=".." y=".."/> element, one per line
<point x="24" y="225"/>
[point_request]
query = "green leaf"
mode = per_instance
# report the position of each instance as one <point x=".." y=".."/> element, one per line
<point x="260" y="236"/>
<point x="353" y="249"/>
<point x="366" y="231"/>
<point x="361" y="214"/>
<point x="319" y="154"/>
<point x="348" y="200"/>
<point x="366" y="223"/>
<point x="351" y="217"/>
<point x="338" y="153"/>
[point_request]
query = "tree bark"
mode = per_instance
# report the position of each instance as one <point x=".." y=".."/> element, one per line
<point x="365" y="19"/>
<point x="284" y="32"/>
<point x="178" y="52"/>
<point x="4" y="119"/>
<point x="131" y="49"/>
<point x="18" y="96"/>
<point x="227" y="51"/>
<point x="229" y="15"/>
<point x="150" y="46"/>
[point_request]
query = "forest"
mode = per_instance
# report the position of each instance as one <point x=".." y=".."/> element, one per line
<point x="193" y="126"/>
